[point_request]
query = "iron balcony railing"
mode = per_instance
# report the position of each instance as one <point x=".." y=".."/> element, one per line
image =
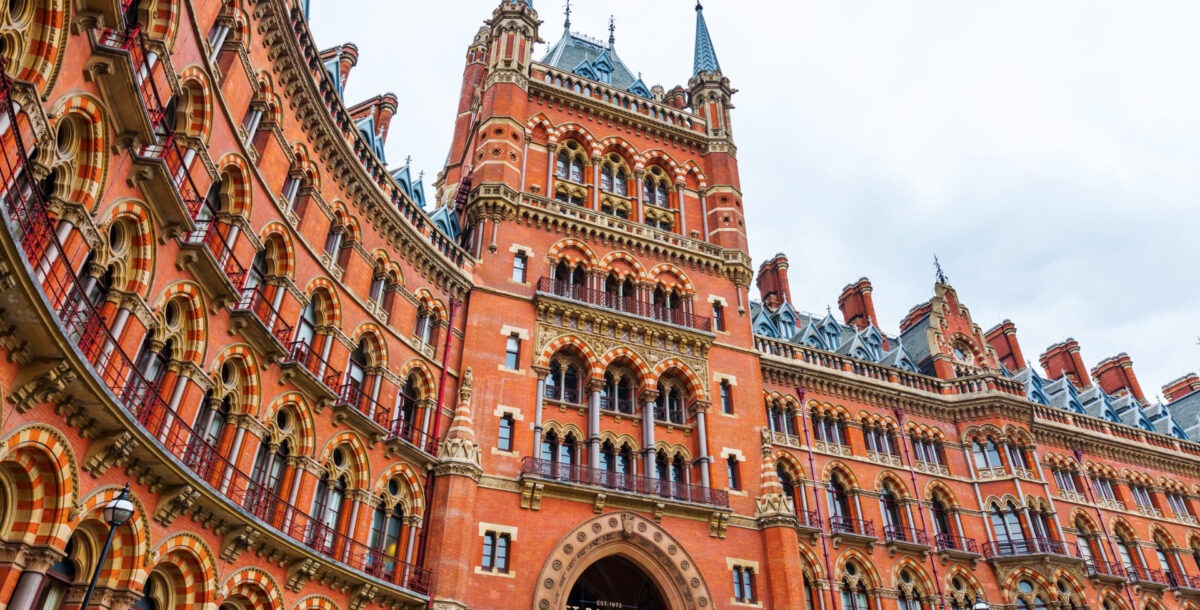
<point x="629" y="305"/>
<point x="846" y="525"/>
<point x="624" y="405"/>
<point x="809" y="518"/>
<point x="217" y="243"/>
<point x="623" y="481"/>
<point x="27" y="219"/>
<point x="900" y="533"/>
<point x="303" y="354"/>
<point x="1029" y="546"/>
<point x="255" y="300"/>
<point x="1143" y="574"/>
<point x="1104" y="568"/>
<point x="950" y="542"/>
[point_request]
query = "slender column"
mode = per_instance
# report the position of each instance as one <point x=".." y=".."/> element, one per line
<point x="648" y="397"/>
<point x="413" y="527"/>
<point x="704" y="213"/>
<point x="640" y="191"/>
<point x="682" y="212"/>
<point x="37" y="562"/>
<point x="43" y="266"/>
<point x="537" y="410"/>
<point x="596" y="184"/>
<point x="181" y="382"/>
<point x="234" y="453"/>
<point x="552" y="162"/>
<point x="702" y="432"/>
<point x="329" y="339"/>
<point x="594" y="388"/>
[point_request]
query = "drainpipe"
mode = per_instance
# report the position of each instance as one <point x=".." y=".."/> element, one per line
<point x="437" y="420"/>
<point x="937" y="579"/>
<point x="812" y="470"/>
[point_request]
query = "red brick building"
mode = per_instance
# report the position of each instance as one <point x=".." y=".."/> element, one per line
<point x="553" y="390"/>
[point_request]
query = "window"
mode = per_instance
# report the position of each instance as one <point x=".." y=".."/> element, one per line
<point x="1007" y="525"/>
<point x="424" y="327"/>
<point x="504" y="440"/>
<point x="655" y="188"/>
<point x="718" y="317"/>
<point x="743" y="584"/>
<point x="1141" y="497"/>
<point x="375" y="293"/>
<point x="731" y="471"/>
<point x="291" y="188"/>
<point x="726" y="398"/>
<point x="1178" y="504"/>
<point x="333" y="239"/>
<point x="1104" y="489"/>
<point x="519" y="263"/>
<point x="829" y="429"/>
<point x="250" y="123"/>
<point x="927" y="450"/>
<point x="1016" y="457"/>
<point x="512" y="352"/>
<point x="986" y="454"/>
<point x="496" y="548"/>
<point x="1065" y="480"/>
<point x="781" y="420"/>
<point x="879" y="440"/>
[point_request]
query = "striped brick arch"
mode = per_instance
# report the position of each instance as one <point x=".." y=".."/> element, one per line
<point x="573" y="251"/>
<point x="86" y="167"/>
<point x="131" y="545"/>
<point x="639" y="272"/>
<point x="246" y="364"/>
<point x="303" y="164"/>
<point x="423" y="378"/>
<point x="410" y="488"/>
<point x="370" y="334"/>
<point x="159" y="20"/>
<point x="672" y="366"/>
<point x="251" y="589"/>
<point x="134" y="270"/>
<point x="38" y="465"/>
<point x="195" y="104"/>
<point x="659" y="157"/>
<point x="430" y="303"/>
<point x="575" y="346"/>
<point x="623" y="356"/>
<point x="691" y="169"/>
<point x="195" y="320"/>
<point x="235" y="183"/>
<point x="189" y="568"/>
<point x="670" y="275"/>
<point x="358" y="465"/>
<point x="316" y="602"/>
<point x="37" y="43"/>
<point x="280" y="252"/>
<point x="323" y="292"/>
<point x="303" y="428"/>
<point x="575" y="131"/>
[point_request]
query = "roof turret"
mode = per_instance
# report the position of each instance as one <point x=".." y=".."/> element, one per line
<point x="706" y="56"/>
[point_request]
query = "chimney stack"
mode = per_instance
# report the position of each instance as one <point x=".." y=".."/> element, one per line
<point x="1064" y="359"/>
<point x="1003" y="339"/>
<point x="347" y="58"/>
<point x="858" y="308"/>
<point x="1115" y="376"/>
<point x="1181" y="387"/>
<point x="773" y="282"/>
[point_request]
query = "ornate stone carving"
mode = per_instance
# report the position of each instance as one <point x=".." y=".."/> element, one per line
<point x="364" y="595"/>
<point x="171" y="506"/>
<point x="301" y="572"/>
<point x="717" y="524"/>
<point x="46" y="386"/>
<point x="531" y="495"/>
<point x="240" y="540"/>
<point x="116" y="452"/>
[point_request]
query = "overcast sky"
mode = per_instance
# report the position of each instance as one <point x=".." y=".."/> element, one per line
<point x="1048" y="152"/>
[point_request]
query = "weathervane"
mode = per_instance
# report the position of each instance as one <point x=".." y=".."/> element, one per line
<point x="941" y="277"/>
<point x="612" y="31"/>
<point x="567" y="21"/>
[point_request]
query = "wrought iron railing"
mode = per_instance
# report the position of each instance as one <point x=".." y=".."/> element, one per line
<point x="217" y="244"/>
<point x="255" y="300"/>
<point x="950" y="542"/>
<point x="846" y="525"/>
<point x="303" y="354"/>
<point x="629" y="305"/>
<point x="809" y="518"/>
<point x="1029" y="546"/>
<point x="1104" y="568"/>
<point x="1143" y="574"/>
<point x="623" y="481"/>
<point x="900" y="533"/>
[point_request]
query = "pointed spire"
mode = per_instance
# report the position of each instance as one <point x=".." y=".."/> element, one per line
<point x="567" y="21"/>
<point x="612" y="32"/>
<point x="706" y="56"/>
<point x="941" y="277"/>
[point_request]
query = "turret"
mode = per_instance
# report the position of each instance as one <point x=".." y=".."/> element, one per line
<point x="709" y="88"/>
<point x="514" y="30"/>
<point x="1181" y="387"/>
<point x="773" y="282"/>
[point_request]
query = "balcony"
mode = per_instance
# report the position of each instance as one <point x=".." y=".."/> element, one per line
<point x="809" y="522"/>
<point x="208" y="254"/>
<point x="127" y="83"/>
<point x="164" y="176"/>
<point x="623" y="406"/>
<point x="1147" y="578"/>
<point x="626" y="305"/>
<point x="1106" y="572"/>
<point x="624" y="482"/>
<point x="852" y="531"/>
<point x="956" y="547"/>
<point x="900" y="538"/>
<point x="309" y="371"/>
<point x="254" y="317"/>
<point x="356" y="405"/>
<point x="1186" y="584"/>
<point x="1035" y="549"/>
<point x="402" y="432"/>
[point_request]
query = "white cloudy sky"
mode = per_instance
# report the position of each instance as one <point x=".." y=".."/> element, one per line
<point x="1048" y="152"/>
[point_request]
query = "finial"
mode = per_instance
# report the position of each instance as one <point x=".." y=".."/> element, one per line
<point x="612" y="31"/>
<point x="567" y="21"/>
<point x="828" y="310"/>
<point x="941" y="277"/>
<point x="698" y="6"/>
<point x="420" y="175"/>
<point x="408" y="161"/>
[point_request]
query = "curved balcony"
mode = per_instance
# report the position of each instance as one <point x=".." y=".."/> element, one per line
<point x="1039" y="549"/>
<point x="959" y="547"/>
<point x="307" y="369"/>
<point x="208" y="254"/>
<point x="257" y="319"/>
<point x="148" y="410"/>
<point x="901" y="538"/>
<point x="852" y="531"/>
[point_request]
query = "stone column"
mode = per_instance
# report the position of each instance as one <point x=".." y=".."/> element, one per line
<point x="704" y="460"/>
<point x="648" y="452"/>
<point x="36" y="563"/>
<point x="595" y="386"/>
<point x="537" y="409"/>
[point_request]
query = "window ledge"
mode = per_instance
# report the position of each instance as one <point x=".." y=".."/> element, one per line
<point x="482" y="572"/>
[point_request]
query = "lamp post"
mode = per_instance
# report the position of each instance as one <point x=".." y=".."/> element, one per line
<point x="116" y="513"/>
<point x="980" y="604"/>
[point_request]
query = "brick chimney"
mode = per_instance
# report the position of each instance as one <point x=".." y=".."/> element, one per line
<point x="1181" y="387"/>
<point x="1064" y="359"/>
<point x="1115" y="376"/>
<point x="773" y="282"/>
<point x="1003" y="339"/>
<point x="858" y="308"/>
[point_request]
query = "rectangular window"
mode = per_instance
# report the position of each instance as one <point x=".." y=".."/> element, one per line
<point x="731" y="471"/>
<point x="743" y="584"/>
<point x="726" y="398"/>
<point x="495" y="551"/>
<point x="718" y="317"/>
<point x="504" y="440"/>
<point x="519" y="263"/>
<point x="512" y="352"/>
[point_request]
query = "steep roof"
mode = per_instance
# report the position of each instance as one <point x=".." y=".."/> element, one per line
<point x="592" y="59"/>
<point x="706" y="55"/>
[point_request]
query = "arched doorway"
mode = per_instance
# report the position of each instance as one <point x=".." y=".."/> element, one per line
<point x="615" y="582"/>
<point x="597" y="563"/>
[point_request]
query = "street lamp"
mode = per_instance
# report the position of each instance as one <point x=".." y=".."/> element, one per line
<point x="980" y="604"/>
<point x="116" y="513"/>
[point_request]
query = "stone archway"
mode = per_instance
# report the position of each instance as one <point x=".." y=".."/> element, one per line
<point x="634" y="538"/>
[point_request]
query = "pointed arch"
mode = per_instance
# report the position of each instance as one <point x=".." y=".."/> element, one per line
<point x="361" y="467"/>
<point x="195" y="569"/>
<point x="667" y="270"/>
<point x="924" y="582"/>
<point x="886" y="476"/>
<point x="421" y="374"/>
<point x="842" y="470"/>
<point x="36" y="47"/>
<point x="243" y="357"/>
<point x="160" y="20"/>
<point x="89" y="166"/>
<point x="624" y="256"/>
<point x="195" y="317"/>
<point x="195" y="107"/>
<point x="573" y="251"/>
<point x="40" y="477"/>
<point x="329" y="308"/>
<point x="133" y="269"/>
<point x="413" y="494"/>
<point x="624" y="355"/>
<point x="938" y="489"/>
<point x="131" y="546"/>
<point x="372" y="337"/>
<point x="279" y="251"/>
<point x="696" y="389"/>
<point x="315" y="602"/>
<point x="870" y="574"/>
<point x="254" y="585"/>
<point x="789" y="461"/>
<point x="576" y="346"/>
<point x="305" y="430"/>
<point x="1009" y="587"/>
<point x="234" y="172"/>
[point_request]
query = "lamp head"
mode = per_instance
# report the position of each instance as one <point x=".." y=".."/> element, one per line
<point x="119" y="510"/>
<point x="980" y="604"/>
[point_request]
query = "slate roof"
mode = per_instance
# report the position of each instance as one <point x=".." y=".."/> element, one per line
<point x="706" y="55"/>
<point x="586" y="57"/>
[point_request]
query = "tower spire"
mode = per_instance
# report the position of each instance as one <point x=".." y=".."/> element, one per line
<point x="706" y="56"/>
<point x="567" y="21"/>
<point x="612" y="32"/>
